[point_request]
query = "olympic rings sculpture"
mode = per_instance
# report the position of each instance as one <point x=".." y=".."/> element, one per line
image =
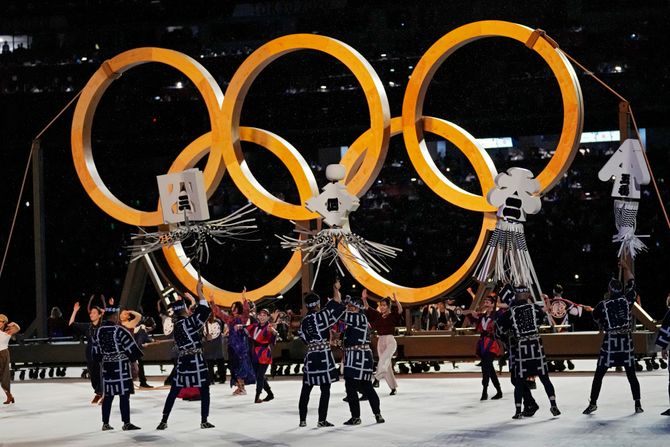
<point x="363" y="159"/>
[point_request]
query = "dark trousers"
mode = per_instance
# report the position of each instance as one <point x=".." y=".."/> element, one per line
<point x="124" y="404"/>
<point x="520" y="384"/>
<point x="365" y="386"/>
<point x="261" y="382"/>
<point x="220" y="369"/>
<point x="94" y="375"/>
<point x="140" y="372"/>
<point x="489" y="371"/>
<point x="598" y="382"/>
<point x="323" y="401"/>
<point x="172" y="396"/>
<point x="526" y="395"/>
<point x="170" y="377"/>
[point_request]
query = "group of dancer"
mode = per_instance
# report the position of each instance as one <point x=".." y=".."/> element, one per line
<point x="320" y="367"/>
<point x="516" y="324"/>
<point x="113" y="351"/>
<point x="508" y="320"/>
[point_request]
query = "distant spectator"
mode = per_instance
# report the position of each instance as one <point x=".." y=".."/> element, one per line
<point x="56" y="324"/>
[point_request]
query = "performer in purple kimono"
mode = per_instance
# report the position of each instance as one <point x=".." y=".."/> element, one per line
<point x="239" y="355"/>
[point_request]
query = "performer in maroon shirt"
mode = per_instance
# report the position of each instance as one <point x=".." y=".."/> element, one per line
<point x="488" y="347"/>
<point x="384" y="322"/>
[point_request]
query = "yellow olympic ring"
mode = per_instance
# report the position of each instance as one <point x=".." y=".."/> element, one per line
<point x="307" y="187"/>
<point x="425" y="70"/>
<point x="485" y="171"/>
<point x="82" y="123"/>
<point x="237" y="90"/>
<point x="363" y="160"/>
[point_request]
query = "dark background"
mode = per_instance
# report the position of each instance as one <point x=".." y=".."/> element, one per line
<point x="492" y="88"/>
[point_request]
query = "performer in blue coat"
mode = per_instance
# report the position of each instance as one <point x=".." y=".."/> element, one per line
<point x="191" y="370"/>
<point x="115" y="348"/>
<point x="662" y="341"/>
<point x="319" y="366"/>
<point x="613" y="315"/>
<point x="358" y="361"/>
<point x="521" y="326"/>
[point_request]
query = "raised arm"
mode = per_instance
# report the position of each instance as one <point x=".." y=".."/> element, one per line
<point x="627" y="267"/>
<point x="88" y="306"/>
<point x="397" y="303"/>
<point x="202" y="311"/>
<point x="75" y="309"/>
<point x="137" y="317"/>
<point x="337" y="296"/>
<point x="190" y="299"/>
<point x="364" y="297"/>
<point x="245" y="305"/>
<point x="545" y="298"/>
<point x="201" y="293"/>
<point x="12" y="328"/>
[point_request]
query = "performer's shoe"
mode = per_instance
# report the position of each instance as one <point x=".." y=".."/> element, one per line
<point x="145" y="385"/>
<point x="375" y="383"/>
<point x="393" y="392"/>
<point x="498" y="395"/>
<point x="302" y="424"/>
<point x="353" y="421"/>
<point x="590" y="409"/>
<point x="324" y="424"/>
<point x="10" y="400"/>
<point x="269" y="397"/>
<point x="666" y="412"/>
<point x="106" y="427"/>
<point x="518" y="415"/>
<point x="162" y="426"/>
<point x="206" y="425"/>
<point x="638" y="409"/>
<point x="485" y="395"/>
<point x="129" y="426"/>
<point x="258" y="400"/>
<point x="379" y="418"/>
<point x="531" y="409"/>
<point x="96" y="398"/>
<point x="554" y="410"/>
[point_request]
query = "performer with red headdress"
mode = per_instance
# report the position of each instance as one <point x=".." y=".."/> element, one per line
<point x="263" y="336"/>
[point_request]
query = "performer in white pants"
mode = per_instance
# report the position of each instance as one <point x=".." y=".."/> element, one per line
<point x="384" y="321"/>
